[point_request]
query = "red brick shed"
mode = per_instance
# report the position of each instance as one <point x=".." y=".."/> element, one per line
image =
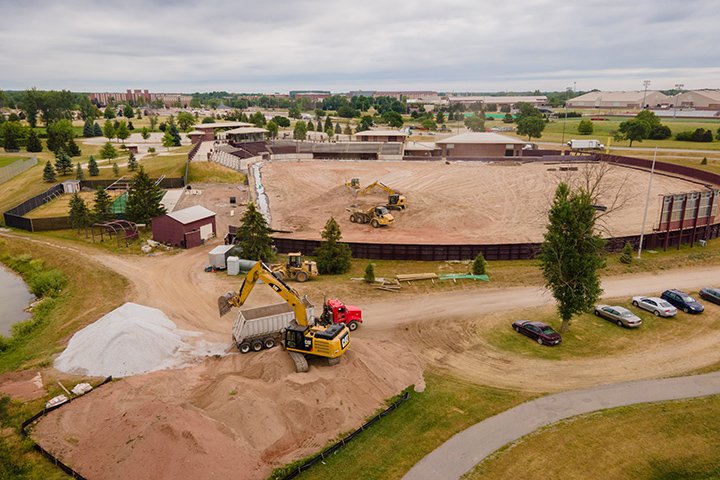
<point x="185" y="228"/>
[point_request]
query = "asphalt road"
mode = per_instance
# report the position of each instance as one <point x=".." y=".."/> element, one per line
<point x="463" y="451"/>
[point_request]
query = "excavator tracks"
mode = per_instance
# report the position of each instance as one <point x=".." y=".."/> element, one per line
<point x="300" y="361"/>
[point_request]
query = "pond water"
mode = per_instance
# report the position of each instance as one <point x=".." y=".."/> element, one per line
<point x="14" y="297"/>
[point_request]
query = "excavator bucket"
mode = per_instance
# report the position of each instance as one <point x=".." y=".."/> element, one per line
<point x="224" y="302"/>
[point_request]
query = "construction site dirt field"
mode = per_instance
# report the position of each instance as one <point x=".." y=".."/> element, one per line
<point x="463" y="202"/>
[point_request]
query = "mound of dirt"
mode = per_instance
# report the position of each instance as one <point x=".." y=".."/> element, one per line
<point x="235" y="417"/>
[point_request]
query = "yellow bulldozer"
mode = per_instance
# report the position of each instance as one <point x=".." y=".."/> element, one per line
<point x="296" y="268"/>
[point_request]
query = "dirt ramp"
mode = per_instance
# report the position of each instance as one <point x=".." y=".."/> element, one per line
<point x="234" y="417"/>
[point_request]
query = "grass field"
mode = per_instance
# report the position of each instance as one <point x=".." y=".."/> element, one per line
<point x="5" y="161"/>
<point x="208" y="172"/>
<point x="389" y="448"/>
<point x="61" y="205"/>
<point x="591" y="336"/>
<point x="662" y="441"/>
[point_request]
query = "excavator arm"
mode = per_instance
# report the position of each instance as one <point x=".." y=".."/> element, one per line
<point x="377" y="184"/>
<point x="263" y="273"/>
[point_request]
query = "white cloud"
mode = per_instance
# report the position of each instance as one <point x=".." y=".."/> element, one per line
<point x="245" y="45"/>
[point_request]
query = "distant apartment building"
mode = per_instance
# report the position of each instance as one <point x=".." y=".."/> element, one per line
<point x="140" y="97"/>
<point x="311" y="94"/>
<point x="426" y="96"/>
<point x="625" y="100"/>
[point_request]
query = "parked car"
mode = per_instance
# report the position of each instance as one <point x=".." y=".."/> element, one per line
<point x="619" y="315"/>
<point x="543" y="334"/>
<point x="658" y="306"/>
<point x="710" y="294"/>
<point x="682" y="301"/>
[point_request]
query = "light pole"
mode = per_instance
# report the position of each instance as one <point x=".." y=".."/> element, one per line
<point x="647" y="203"/>
<point x="562" y="141"/>
<point x="678" y="87"/>
<point x="646" y="83"/>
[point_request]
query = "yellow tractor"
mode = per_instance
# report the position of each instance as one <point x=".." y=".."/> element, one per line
<point x="296" y="268"/>
<point x="396" y="200"/>
<point x="353" y="183"/>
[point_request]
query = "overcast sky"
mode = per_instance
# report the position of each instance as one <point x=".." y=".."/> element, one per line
<point x="339" y="45"/>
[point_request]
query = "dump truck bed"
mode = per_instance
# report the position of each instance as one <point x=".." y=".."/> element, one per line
<point x="263" y="322"/>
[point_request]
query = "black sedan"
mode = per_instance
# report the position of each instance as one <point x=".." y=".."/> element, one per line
<point x="711" y="295"/>
<point x="543" y="334"/>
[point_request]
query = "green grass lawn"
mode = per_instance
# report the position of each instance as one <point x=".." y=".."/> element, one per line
<point x="209" y="172"/>
<point x="7" y="160"/>
<point x="591" y="336"/>
<point x="392" y="446"/>
<point x="660" y="441"/>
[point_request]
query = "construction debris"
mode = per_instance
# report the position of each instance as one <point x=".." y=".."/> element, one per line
<point x="416" y="276"/>
<point x="464" y="276"/>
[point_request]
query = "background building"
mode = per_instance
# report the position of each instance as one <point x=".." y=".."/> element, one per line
<point x="627" y="100"/>
<point x="185" y="228"/>
<point x="480" y="144"/>
<point x="699" y="100"/>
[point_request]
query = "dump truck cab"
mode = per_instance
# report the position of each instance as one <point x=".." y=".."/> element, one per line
<point x="336" y="312"/>
<point x="383" y="216"/>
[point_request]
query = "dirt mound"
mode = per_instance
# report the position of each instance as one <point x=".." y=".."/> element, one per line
<point x="238" y="416"/>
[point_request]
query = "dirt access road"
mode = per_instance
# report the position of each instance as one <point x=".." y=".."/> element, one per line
<point x="446" y="329"/>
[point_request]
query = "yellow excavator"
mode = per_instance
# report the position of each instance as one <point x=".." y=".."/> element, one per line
<point x="396" y="200"/>
<point x="300" y="338"/>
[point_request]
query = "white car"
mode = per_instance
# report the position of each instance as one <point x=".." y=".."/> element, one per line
<point x="658" y="306"/>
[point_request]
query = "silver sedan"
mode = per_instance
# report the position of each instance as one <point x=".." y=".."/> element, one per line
<point x="658" y="306"/>
<point x="619" y="315"/>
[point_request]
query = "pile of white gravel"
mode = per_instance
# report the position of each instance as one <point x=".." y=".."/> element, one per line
<point x="130" y="340"/>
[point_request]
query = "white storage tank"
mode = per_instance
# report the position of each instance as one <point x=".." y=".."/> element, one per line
<point x="233" y="266"/>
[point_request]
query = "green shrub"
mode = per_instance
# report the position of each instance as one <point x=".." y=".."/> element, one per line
<point x="627" y="253"/>
<point x="478" y="265"/>
<point x="704" y="161"/>
<point x="47" y="283"/>
<point x="369" y="273"/>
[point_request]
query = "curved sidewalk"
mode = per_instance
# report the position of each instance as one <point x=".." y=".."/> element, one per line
<point x="466" y="449"/>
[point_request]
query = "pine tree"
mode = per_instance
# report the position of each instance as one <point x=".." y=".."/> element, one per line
<point x="132" y="163"/>
<point x="79" y="174"/>
<point x="63" y="164"/>
<point x="478" y="265"/>
<point x="131" y="127"/>
<point x="33" y="143"/>
<point x="116" y="169"/>
<point x="97" y="130"/>
<point x="79" y="212"/>
<point x="108" y="151"/>
<point x="319" y="127"/>
<point x="102" y="210"/>
<point x="347" y="130"/>
<point x="49" y="173"/>
<point x="88" y="130"/>
<point x="333" y="257"/>
<point x="369" y="273"/>
<point x="93" y="169"/>
<point x="310" y="126"/>
<point x="143" y="201"/>
<point x="254" y="235"/>
<point x="73" y="149"/>
<point x="175" y="135"/>
<point x="109" y="130"/>
<point x="627" y="253"/>
<point x="338" y="128"/>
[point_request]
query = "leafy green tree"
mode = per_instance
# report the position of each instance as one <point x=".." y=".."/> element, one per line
<point x="168" y="140"/>
<point x="63" y="164"/>
<point x="102" y="209"/>
<point x="185" y="120"/>
<point x="508" y="118"/>
<point x="429" y="123"/>
<point x="294" y="112"/>
<point x="60" y="133"/>
<point x="143" y="201"/>
<point x="145" y="133"/>
<point x="93" y="169"/>
<point x="254" y="234"/>
<point x="572" y="253"/>
<point x="627" y="253"/>
<point x="109" y="130"/>
<point x="531" y="126"/>
<point x="440" y="117"/>
<point x="88" y="129"/>
<point x="632" y="130"/>
<point x="128" y="111"/>
<point x="29" y="103"/>
<point x="392" y="118"/>
<point x="366" y="121"/>
<point x="300" y="131"/>
<point x="109" y="112"/>
<point x="476" y="123"/>
<point x="108" y="151"/>
<point x="329" y="129"/>
<point x="281" y="121"/>
<point x="479" y="265"/>
<point x="49" y="173"/>
<point x="11" y="133"/>
<point x="122" y="132"/>
<point x="79" y="174"/>
<point x="132" y="163"/>
<point x="272" y="129"/>
<point x="369" y="273"/>
<point x="97" y="130"/>
<point x="79" y="212"/>
<point x="153" y="122"/>
<point x="258" y="119"/>
<point x="72" y="149"/>
<point x="208" y="120"/>
<point x="585" y="127"/>
<point x="115" y="169"/>
<point x="333" y="257"/>
<point x="33" y="142"/>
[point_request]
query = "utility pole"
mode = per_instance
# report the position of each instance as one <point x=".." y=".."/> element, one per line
<point x="562" y="141"/>
<point x="678" y="87"/>
<point x="647" y="203"/>
<point x="646" y="83"/>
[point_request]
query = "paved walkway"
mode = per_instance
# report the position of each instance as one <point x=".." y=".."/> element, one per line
<point x="202" y="153"/>
<point x="463" y="451"/>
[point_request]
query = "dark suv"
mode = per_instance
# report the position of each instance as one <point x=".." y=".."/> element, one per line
<point x="682" y="301"/>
